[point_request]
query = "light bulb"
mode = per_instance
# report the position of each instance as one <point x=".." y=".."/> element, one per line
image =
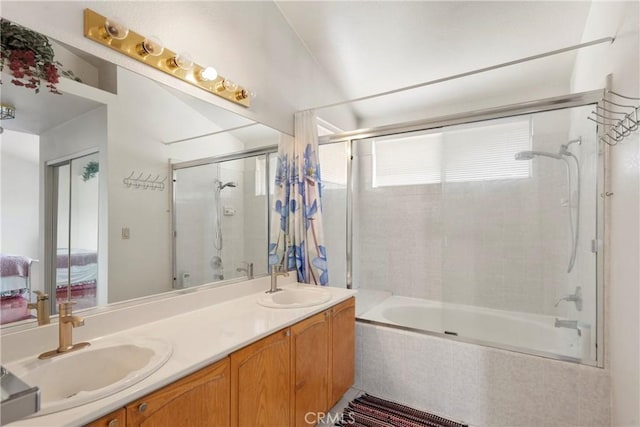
<point x="152" y="46"/>
<point x="207" y="74"/>
<point x="183" y="61"/>
<point x="229" y="85"/>
<point x="242" y="94"/>
<point x="115" y="28"/>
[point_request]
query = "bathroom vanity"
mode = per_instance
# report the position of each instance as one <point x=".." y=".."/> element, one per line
<point x="234" y="362"/>
<point x="312" y="362"/>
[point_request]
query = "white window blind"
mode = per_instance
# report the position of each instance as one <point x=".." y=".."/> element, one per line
<point x="407" y="161"/>
<point x="486" y="152"/>
<point x="333" y="164"/>
<point x="465" y="154"/>
<point x="261" y="182"/>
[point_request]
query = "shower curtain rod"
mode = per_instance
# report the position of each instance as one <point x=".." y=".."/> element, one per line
<point x="469" y="73"/>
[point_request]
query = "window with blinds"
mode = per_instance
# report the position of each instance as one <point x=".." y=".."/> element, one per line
<point x="458" y="155"/>
<point x="333" y="164"/>
<point x="261" y="183"/>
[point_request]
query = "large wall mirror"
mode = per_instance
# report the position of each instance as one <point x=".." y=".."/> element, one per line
<point x="89" y="206"/>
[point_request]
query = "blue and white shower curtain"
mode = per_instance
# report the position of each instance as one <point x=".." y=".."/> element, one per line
<point x="297" y="238"/>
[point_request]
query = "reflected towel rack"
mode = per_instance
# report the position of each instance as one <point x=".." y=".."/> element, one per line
<point x="144" y="183"/>
<point x="618" y="118"/>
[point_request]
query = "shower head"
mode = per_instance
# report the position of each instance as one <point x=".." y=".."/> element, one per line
<point x="529" y="155"/>
<point x="231" y="184"/>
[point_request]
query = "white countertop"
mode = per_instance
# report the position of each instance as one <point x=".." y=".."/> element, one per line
<point x="199" y="338"/>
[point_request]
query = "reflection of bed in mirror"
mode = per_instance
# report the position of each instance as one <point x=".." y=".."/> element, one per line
<point x="78" y="268"/>
<point x="81" y="265"/>
<point x="15" y="286"/>
<point x="15" y="273"/>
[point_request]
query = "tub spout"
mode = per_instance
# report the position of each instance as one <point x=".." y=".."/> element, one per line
<point x="569" y="324"/>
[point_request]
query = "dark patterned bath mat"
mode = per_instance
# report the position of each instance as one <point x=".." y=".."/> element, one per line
<point x="371" y="411"/>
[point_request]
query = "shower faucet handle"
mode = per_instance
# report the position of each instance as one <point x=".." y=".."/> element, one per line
<point x="576" y="297"/>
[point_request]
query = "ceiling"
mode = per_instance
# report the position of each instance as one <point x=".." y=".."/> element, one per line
<point x="367" y="47"/>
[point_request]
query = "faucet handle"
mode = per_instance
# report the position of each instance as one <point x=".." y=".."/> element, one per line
<point x="42" y="307"/>
<point x="41" y="296"/>
<point x="65" y="308"/>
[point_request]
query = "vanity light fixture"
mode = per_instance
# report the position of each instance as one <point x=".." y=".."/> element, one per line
<point x="111" y="32"/>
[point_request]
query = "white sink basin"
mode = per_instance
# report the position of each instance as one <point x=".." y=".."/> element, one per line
<point x="297" y="297"/>
<point x="89" y="374"/>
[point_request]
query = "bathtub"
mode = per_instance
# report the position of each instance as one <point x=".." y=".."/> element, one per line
<point x="523" y="332"/>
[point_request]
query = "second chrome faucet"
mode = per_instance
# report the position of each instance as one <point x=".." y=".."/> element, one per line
<point x="274" y="279"/>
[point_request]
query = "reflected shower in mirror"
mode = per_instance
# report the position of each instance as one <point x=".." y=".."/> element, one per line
<point x="220" y="219"/>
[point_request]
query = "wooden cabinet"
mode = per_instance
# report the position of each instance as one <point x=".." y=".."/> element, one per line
<point x="310" y="341"/>
<point x="200" y="399"/>
<point x="342" y="349"/>
<point x="114" y="419"/>
<point x="260" y="382"/>
<point x="276" y="381"/>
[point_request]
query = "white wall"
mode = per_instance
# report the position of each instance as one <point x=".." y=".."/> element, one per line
<point x="622" y="294"/>
<point x="248" y="42"/>
<point x="19" y="193"/>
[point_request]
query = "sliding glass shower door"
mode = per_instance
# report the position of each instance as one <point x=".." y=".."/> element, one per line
<point x="488" y="231"/>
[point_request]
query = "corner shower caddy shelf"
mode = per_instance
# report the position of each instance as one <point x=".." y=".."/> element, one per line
<point x="616" y="129"/>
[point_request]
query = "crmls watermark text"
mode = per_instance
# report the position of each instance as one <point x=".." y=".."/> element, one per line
<point x="328" y="418"/>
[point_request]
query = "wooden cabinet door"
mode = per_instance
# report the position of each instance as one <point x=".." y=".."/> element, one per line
<point x="343" y="347"/>
<point x="200" y="399"/>
<point x="260" y="382"/>
<point x="310" y="368"/>
<point x="114" y="419"/>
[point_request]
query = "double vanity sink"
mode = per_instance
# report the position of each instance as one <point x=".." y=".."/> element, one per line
<point x="105" y="367"/>
<point x="120" y="361"/>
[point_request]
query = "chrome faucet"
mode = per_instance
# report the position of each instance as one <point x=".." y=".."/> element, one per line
<point x="275" y="272"/>
<point x="569" y="324"/>
<point x="41" y="306"/>
<point x="247" y="269"/>
<point x="575" y="297"/>
<point x="66" y="323"/>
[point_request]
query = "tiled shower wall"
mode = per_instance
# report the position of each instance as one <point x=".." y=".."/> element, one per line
<point x="479" y="385"/>
<point x="502" y="244"/>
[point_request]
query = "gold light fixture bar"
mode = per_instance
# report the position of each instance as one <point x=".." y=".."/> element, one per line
<point x="132" y="46"/>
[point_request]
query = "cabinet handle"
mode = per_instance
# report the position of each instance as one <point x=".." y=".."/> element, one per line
<point x="114" y="423"/>
<point x="142" y="407"/>
<point x="287" y="333"/>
